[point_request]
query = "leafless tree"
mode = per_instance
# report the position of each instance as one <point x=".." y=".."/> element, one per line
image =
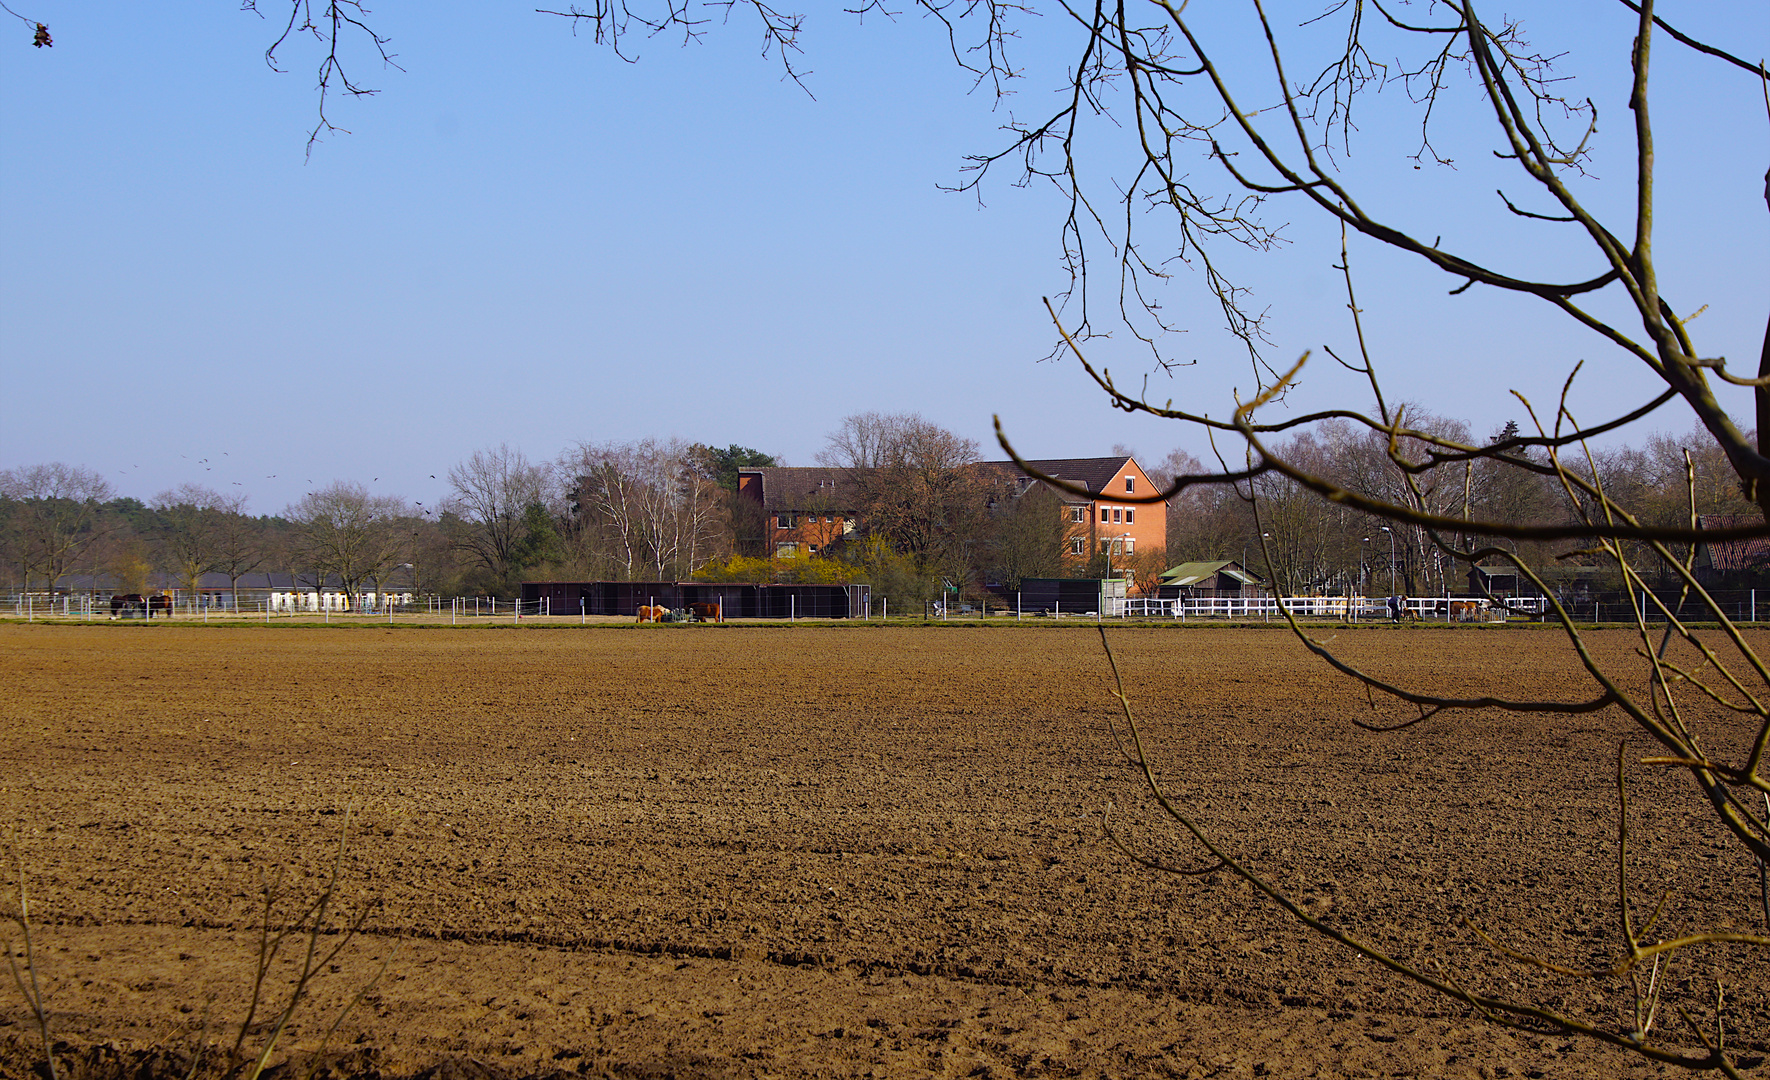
<point x="1030" y="537"/>
<point x="190" y="537"/>
<point x="1284" y="143"/>
<point x="341" y="529"/>
<point x="240" y="544"/>
<point x="644" y="507"/>
<point x="490" y="495"/>
<point x="918" y="487"/>
<point x="53" y="516"/>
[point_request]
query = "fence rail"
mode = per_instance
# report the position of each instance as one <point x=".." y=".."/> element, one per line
<point x="1740" y="605"/>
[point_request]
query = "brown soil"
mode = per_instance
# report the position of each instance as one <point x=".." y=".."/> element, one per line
<point x="835" y="850"/>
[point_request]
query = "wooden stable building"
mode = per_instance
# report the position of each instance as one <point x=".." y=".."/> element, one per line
<point x="737" y="600"/>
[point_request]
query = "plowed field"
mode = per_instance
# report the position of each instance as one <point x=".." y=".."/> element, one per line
<point x="836" y="850"/>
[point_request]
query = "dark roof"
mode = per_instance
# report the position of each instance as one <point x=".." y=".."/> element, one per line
<point x="1196" y="573"/>
<point x="397" y="577"/>
<point x="1093" y="473"/>
<point x="1735" y="554"/>
<point x="789" y="488"/>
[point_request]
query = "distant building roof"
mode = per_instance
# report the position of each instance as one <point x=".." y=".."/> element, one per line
<point x="1194" y="572"/>
<point x="789" y="488"/>
<point x="1728" y="555"/>
<point x="1091" y="473"/>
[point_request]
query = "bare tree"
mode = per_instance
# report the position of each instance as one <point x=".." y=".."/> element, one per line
<point x="490" y="495"/>
<point x="240" y="544"/>
<point x="644" y="508"/>
<point x="919" y="487"/>
<point x="1700" y="698"/>
<point x="189" y="539"/>
<point x="53" y="516"/>
<point x="343" y="530"/>
<point x="1030" y="537"/>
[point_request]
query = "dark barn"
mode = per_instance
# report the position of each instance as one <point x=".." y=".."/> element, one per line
<point x="739" y="600"/>
<point x="1069" y="595"/>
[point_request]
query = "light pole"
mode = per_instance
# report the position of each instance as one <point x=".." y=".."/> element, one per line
<point x="1112" y="544"/>
<point x="1244" y="551"/>
<point x="1363" y="556"/>
<point x="1391" y="533"/>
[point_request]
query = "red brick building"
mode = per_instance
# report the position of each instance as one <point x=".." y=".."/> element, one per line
<point x="1104" y="517"/>
<point x="805" y="510"/>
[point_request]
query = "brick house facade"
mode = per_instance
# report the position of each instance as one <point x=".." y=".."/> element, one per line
<point x="805" y="510"/>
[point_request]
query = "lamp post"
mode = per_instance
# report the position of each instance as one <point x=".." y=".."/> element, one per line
<point x="1391" y="533"/>
<point x="1362" y="558"/>
<point x="1112" y="544"/>
<point x="1244" y="551"/>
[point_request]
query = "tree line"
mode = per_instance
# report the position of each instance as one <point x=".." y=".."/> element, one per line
<point x="655" y="509"/>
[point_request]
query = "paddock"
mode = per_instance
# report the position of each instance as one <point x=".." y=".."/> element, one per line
<point x="729" y="600"/>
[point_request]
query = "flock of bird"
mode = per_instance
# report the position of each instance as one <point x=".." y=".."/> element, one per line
<point x="209" y="466"/>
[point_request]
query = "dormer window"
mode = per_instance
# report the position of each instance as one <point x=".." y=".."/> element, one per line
<point x="1130" y="485"/>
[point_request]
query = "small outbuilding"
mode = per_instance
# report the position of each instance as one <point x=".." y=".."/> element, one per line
<point x="1224" y="577"/>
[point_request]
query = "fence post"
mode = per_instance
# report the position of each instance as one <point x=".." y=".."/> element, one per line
<point x="1754" y="605"/>
<point x="1017" y="607"/>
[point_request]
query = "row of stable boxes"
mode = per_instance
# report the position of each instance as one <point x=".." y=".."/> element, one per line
<point x="331" y="601"/>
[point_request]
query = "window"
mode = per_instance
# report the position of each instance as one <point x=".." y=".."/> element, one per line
<point x="1130" y="545"/>
<point x="1075" y="546"/>
<point x="1115" y="513"/>
<point x="786" y="521"/>
<point x="1077" y="514"/>
<point x="1105" y="515"/>
<point x="1130" y="485"/>
<point x="1128" y="519"/>
<point x="829" y="518"/>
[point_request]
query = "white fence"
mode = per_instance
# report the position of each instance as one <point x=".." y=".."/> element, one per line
<point x="1354" y="608"/>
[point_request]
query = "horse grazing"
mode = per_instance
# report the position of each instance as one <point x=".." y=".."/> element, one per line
<point x="124" y="605"/>
<point x="161" y="603"/>
<point x="1463" y="610"/>
<point x="707" y="612"/>
<point x="649" y="613"/>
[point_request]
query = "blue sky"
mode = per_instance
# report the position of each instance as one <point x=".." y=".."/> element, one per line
<point x="525" y="240"/>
